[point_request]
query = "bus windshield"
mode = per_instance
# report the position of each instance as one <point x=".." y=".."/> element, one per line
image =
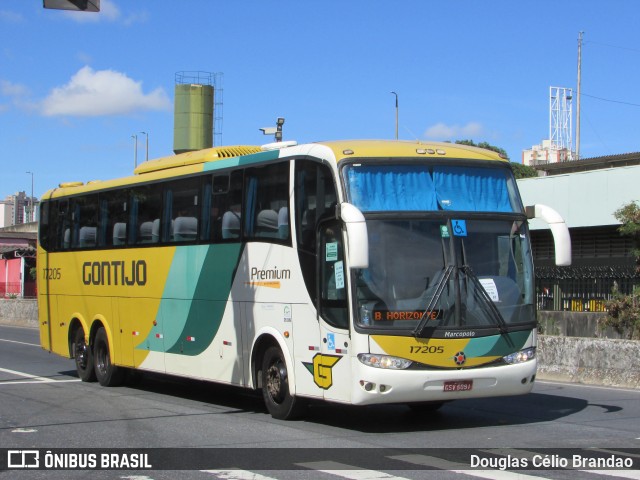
<point x="452" y="273"/>
<point x="460" y="266"/>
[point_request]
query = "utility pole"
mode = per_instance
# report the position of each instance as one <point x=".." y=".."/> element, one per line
<point x="394" y="93"/>
<point x="146" y="157"/>
<point x="135" y="150"/>
<point x="578" y="95"/>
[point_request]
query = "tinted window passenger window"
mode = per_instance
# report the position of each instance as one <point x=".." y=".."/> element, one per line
<point x="267" y="203"/>
<point x="182" y="209"/>
<point x="144" y="217"/>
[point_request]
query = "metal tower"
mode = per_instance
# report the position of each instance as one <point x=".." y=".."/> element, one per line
<point x="560" y="115"/>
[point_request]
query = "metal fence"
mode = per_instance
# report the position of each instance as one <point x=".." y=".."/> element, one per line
<point x="14" y="289"/>
<point x="580" y="294"/>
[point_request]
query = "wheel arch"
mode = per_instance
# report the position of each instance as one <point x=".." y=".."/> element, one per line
<point x="77" y="322"/>
<point x="265" y="339"/>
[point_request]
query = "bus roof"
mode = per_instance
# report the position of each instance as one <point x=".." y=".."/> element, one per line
<point x="403" y="148"/>
<point x="190" y="162"/>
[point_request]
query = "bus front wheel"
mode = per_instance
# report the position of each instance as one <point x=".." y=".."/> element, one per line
<point x="106" y="372"/>
<point x="83" y="357"/>
<point x="275" y="387"/>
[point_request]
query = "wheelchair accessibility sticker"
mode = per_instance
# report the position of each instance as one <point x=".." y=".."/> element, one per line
<point x="459" y="228"/>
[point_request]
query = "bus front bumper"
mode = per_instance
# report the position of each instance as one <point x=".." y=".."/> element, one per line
<point x="377" y="385"/>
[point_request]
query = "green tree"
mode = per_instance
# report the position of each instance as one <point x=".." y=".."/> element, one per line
<point x="484" y="145"/>
<point x="629" y="216"/>
<point x="623" y="311"/>
<point x="523" y="171"/>
<point x="519" y="170"/>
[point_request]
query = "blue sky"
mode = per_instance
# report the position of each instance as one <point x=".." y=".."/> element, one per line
<point x="74" y="87"/>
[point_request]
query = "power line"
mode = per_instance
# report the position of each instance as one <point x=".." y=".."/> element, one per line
<point x="611" y="101"/>
<point x="613" y="46"/>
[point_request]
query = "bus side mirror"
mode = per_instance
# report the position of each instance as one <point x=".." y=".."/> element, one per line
<point x="559" y="230"/>
<point x="358" y="239"/>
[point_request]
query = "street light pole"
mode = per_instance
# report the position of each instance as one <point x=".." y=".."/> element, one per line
<point x="135" y="150"/>
<point x="31" y="219"/>
<point x="394" y="93"/>
<point x="146" y="158"/>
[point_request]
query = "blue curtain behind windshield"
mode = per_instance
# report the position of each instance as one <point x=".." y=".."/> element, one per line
<point x="374" y="188"/>
<point x="401" y="187"/>
<point x="471" y="189"/>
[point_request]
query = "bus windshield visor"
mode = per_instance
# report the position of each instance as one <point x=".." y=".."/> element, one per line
<point x="422" y="187"/>
<point x="446" y="273"/>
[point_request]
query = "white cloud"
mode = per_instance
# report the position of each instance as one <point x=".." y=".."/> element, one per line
<point x="441" y="131"/>
<point x="92" y="93"/>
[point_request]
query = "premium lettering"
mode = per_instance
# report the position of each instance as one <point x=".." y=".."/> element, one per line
<point x="116" y="272"/>
<point x="270" y="274"/>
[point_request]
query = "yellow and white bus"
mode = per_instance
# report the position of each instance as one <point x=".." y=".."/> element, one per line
<point x="358" y="272"/>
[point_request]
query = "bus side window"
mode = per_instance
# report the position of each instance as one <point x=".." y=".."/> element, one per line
<point x="227" y="207"/>
<point x="43" y="229"/>
<point x="182" y="199"/>
<point x="315" y="195"/>
<point x="267" y="200"/>
<point x="146" y="206"/>
<point x="114" y="217"/>
<point x="58" y="224"/>
<point x="215" y="193"/>
<point x="333" y="276"/>
<point x="63" y="225"/>
<point x="84" y="221"/>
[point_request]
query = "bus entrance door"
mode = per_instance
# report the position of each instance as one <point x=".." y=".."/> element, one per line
<point x="333" y="368"/>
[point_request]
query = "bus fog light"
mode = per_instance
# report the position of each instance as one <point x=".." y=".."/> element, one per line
<point x="521" y="356"/>
<point x="384" y="361"/>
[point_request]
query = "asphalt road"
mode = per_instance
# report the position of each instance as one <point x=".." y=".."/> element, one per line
<point x="43" y="406"/>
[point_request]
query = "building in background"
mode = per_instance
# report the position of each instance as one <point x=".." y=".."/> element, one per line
<point x="586" y="193"/>
<point x="558" y="147"/>
<point x="17" y="209"/>
<point x="18" y="260"/>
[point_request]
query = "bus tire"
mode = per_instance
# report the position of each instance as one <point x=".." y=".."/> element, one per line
<point x="83" y="357"/>
<point x="107" y="373"/>
<point x="275" y="387"/>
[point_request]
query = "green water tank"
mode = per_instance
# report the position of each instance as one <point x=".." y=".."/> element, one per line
<point x="193" y="117"/>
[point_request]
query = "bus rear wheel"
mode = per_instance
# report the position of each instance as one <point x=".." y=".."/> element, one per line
<point x="275" y="387"/>
<point x="106" y="372"/>
<point x="83" y="357"/>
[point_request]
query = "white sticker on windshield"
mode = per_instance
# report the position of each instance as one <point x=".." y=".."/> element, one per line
<point x="490" y="287"/>
<point x="331" y="253"/>
<point x="338" y="270"/>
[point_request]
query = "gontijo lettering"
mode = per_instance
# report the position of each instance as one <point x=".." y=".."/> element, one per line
<point x="117" y="272"/>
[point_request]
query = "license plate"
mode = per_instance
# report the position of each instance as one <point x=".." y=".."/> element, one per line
<point x="458" y="386"/>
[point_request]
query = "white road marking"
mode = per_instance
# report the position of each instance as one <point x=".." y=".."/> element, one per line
<point x="21" y="343"/>
<point x="462" y="468"/>
<point x="31" y="378"/>
<point x="348" y="471"/>
<point x="237" y="475"/>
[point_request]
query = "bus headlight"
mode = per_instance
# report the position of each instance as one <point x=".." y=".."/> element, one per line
<point x="384" y="361"/>
<point x="521" y="356"/>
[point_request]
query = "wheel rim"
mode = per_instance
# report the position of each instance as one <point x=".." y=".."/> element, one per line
<point x="81" y="355"/>
<point x="277" y="381"/>
<point x="102" y="359"/>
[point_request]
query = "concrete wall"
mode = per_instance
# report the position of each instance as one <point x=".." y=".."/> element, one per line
<point x="574" y="324"/>
<point x="19" y="312"/>
<point x="593" y="361"/>
<point x="567" y="351"/>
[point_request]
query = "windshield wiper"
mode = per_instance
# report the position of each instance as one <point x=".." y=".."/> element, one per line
<point x="486" y="300"/>
<point x="442" y="283"/>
